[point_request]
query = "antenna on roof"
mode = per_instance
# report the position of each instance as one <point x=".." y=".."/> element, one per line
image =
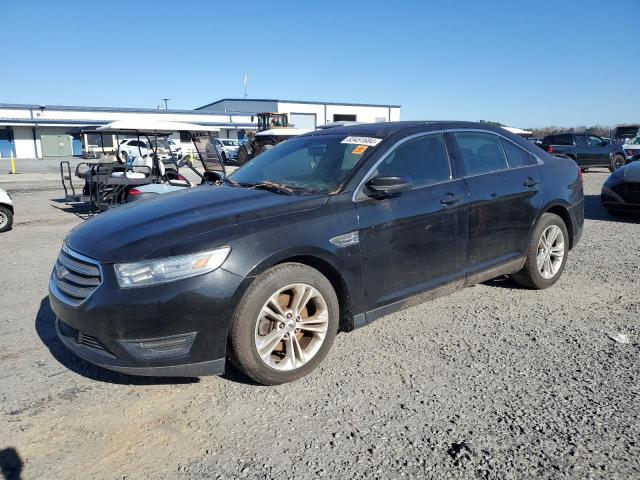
<point x="245" y="80"/>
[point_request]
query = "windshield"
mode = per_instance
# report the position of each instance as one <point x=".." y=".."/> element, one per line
<point x="230" y="143"/>
<point x="313" y="164"/>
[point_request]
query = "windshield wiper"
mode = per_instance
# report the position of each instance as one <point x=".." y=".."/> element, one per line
<point x="267" y="185"/>
<point x="274" y="187"/>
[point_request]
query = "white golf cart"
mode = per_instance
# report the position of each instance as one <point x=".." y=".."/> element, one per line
<point x="115" y="179"/>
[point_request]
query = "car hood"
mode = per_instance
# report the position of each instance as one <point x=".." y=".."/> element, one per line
<point x="149" y="228"/>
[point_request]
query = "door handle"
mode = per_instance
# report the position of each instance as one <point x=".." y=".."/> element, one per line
<point x="531" y="183"/>
<point x="451" y="199"/>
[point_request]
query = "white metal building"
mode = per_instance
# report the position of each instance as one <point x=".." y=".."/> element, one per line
<point x="40" y="131"/>
<point x="303" y="114"/>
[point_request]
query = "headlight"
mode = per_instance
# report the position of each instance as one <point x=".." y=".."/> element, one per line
<point x="162" y="270"/>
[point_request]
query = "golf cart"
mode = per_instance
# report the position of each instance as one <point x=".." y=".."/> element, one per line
<point x="115" y="179"/>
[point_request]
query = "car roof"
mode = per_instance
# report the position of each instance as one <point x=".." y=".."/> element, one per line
<point x="386" y="129"/>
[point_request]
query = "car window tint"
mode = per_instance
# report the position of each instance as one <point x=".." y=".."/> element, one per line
<point x="563" y="140"/>
<point x="581" y="140"/>
<point x="480" y="152"/>
<point x="424" y="160"/>
<point x="517" y="156"/>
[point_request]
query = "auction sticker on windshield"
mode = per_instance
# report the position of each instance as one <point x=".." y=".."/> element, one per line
<point x="369" y="141"/>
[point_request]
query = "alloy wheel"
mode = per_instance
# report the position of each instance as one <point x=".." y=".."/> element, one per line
<point x="550" y="252"/>
<point x="291" y="327"/>
<point x="3" y="220"/>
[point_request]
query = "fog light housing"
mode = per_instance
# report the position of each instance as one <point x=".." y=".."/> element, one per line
<point x="159" y="348"/>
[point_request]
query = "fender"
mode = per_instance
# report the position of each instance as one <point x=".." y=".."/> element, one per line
<point x="298" y="251"/>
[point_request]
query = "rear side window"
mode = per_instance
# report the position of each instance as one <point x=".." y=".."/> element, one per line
<point x="424" y="160"/>
<point x="516" y="156"/>
<point x="581" y="140"/>
<point x="564" y="140"/>
<point x="480" y="152"/>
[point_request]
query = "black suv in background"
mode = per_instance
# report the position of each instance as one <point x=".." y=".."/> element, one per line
<point x="586" y="149"/>
<point x="326" y="231"/>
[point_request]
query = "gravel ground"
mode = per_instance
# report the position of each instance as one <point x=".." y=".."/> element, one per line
<point x="491" y="382"/>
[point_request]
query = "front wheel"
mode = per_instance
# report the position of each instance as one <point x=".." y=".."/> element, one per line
<point x="6" y="219"/>
<point x="617" y="162"/>
<point x="546" y="253"/>
<point x="243" y="156"/>
<point x="284" y="325"/>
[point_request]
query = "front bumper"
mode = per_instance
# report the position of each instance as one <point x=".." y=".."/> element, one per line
<point x="620" y="196"/>
<point x="128" y="330"/>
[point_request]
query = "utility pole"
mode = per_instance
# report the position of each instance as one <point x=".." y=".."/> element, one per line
<point x="165" y="102"/>
<point x="245" y="80"/>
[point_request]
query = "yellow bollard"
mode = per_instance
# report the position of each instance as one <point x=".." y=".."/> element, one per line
<point x="13" y="165"/>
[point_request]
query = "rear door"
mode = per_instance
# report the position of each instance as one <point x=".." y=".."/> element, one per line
<point x="598" y="153"/>
<point x="584" y="151"/>
<point x="415" y="240"/>
<point x="505" y="196"/>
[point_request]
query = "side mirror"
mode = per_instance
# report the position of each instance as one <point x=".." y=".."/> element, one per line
<point x="381" y="186"/>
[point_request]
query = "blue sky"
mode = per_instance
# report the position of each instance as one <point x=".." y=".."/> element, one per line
<point x="527" y="64"/>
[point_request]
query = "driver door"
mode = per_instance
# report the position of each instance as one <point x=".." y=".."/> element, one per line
<point x="415" y="240"/>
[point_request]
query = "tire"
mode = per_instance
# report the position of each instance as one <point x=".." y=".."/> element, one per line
<point x="265" y="147"/>
<point x="243" y="156"/>
<point x="6" y="219"/>
<point x="124" y="156"/>
<point x="223" y="158"/>
<point x="617" y="162"/>
<point x="251" y="327"/>
<point x="533" y="276"/>
<point x="615" y="213"/>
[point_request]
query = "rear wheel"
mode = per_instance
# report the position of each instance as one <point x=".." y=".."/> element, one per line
<point x="546" y="253"/>
<point x="6" y="219"/>
<point x="284" y="325"/>
<point x="617" y="162"/>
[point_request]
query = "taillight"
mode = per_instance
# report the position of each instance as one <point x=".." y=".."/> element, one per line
<point x="549" y="149"/>
<point x="180" y="177"/>
<point x="134" y="191"/>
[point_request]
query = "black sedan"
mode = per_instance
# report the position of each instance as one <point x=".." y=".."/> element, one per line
<point x="621" y="192"/>
<point x="327" y="231"/>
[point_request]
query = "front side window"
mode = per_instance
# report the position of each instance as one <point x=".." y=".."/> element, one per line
<point x="312" y="164"/>
<point x="516" y="156"/>
<point x="595" y="141"/>
<point x="480" y="152"/>
<point x="422" y="160"/>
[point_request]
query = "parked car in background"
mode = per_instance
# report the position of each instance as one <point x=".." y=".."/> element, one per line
<point x="623" y="133"/>
<point x="228" y="148"/>
<point x="621" y="191"/>
<point x="586" y="149"/>
<point x="135" y="148"/>
<point x="632" y="149"/>
<point x="326" y="231"/>
<point x="6" y="211"/>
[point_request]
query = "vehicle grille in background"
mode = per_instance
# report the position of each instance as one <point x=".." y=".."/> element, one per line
<point x="81" y="338"/>
<point x="75" y="276"/>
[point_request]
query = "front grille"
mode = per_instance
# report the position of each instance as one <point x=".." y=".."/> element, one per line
<point x="630" y="192"/>
<point x="75" y="276"/>
<point x="81" y="338"/>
